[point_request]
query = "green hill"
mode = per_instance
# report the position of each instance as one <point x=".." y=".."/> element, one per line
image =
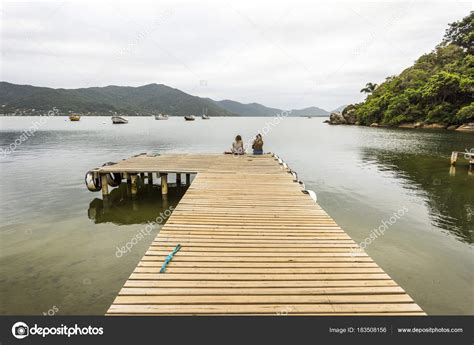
<point x="438" y="88"/>
<point x="142" y="100"/>
<point x="256" y="109"/>
<point x="252" y="109"/>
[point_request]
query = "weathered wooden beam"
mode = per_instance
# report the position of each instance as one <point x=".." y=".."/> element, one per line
<point x="105" y="185"/>
<point x="164" y="184"/>
<point x="178" y="179"/>
<point x="454" y="157"/>
<point x="134" y="184"/>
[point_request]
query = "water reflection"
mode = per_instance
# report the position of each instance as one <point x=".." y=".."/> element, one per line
<point x="447" y="191"/>
<point x="121" y="209"/>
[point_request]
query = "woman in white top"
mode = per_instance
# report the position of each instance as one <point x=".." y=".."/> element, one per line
<point x="238" y="146"/>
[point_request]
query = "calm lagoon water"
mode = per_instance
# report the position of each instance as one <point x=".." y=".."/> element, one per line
<point x="58" y="241"/>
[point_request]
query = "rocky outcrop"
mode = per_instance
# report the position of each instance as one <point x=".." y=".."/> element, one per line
<point x="349" y="114"/>
<point x="426" y="125"/>
<point x="467" y="127"/>
<point x="347" y="117"/>
<point x="435" y="125"/>
<point x="336" y="118"/>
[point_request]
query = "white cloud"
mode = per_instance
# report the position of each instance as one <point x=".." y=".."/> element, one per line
<point x="282" y="54"/>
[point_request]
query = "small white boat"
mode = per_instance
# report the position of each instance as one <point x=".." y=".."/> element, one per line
<point x="119" y="120"/>
<point x="190" y="118"/>
<point x="204" y="115"/>
<point x="161" y="117"/>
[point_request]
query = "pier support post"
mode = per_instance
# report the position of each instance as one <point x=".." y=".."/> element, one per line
<point x="178" y="179"/>
<point x="134" y="184"/>
<point x="164" y="184"/>
<point x="454" y="157"/>
<point x="188" y="179"/>
<point x="105" y="185"/>
<point x="150" y="178"/>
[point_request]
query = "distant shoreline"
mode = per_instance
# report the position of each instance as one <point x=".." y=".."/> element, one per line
<point x="465" y="127"/>
<point x="151" y="115"/>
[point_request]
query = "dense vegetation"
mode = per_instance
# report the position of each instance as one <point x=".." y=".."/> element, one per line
<point x="438" y="88"/>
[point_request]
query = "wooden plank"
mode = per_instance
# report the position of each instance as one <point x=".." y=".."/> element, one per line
<point x="263" y="299"/>
<point x="186" y="291"/>
<point x="257" y="284"/>
<point x="258" y="277"/>
<point x="268" y="309"/>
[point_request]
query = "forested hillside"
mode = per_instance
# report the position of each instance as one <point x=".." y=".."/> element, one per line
<point x="438" y="88"/>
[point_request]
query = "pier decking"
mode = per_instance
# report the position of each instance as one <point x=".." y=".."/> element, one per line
<point x="252" y="243"/>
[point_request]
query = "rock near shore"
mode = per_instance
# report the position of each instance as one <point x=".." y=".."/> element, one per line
<point x="336" y="118"/>
<point x="467" y="127"/>
<point x="347" y="117"/>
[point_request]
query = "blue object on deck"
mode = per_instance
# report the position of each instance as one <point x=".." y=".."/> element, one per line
<point x="169" y="258"/>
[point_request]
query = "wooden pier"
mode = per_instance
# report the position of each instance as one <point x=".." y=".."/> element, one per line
<point x="468" y="155"/>
<point x="253" y="243"/>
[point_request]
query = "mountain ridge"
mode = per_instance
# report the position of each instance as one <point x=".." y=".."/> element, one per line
<point x="17" y="99"/>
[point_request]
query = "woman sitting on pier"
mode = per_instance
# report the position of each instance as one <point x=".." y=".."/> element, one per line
<point x="237" y="146"/>
<point x="257" y="145"/>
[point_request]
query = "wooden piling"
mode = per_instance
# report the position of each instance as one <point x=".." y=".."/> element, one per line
<point x="164" y="184"/>
<point x="454" y="157"/>
<point x="178" y="179"/>
<point x="105" y="185"/>
<point x="150" y="178"/>
<point x="188" y="179"/>
<point x="134" y="184"/>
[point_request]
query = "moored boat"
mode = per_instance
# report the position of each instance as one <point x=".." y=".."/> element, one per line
<point x="190" y="118"/>
<point x="119" y="120"/>
<point x="74" y="117"/>
<point x="161" y="117"/>
<point x="204" y="115"/>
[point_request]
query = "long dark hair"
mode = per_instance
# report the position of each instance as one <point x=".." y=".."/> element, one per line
<point x="238" y="138"/>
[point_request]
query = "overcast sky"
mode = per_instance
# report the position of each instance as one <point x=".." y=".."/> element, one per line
<point x="286" y="54"/>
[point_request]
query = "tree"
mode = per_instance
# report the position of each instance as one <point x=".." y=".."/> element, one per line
<point x="461" y="33"/>
<point x="466" y="113"/>
<point x="369" y="88"/>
